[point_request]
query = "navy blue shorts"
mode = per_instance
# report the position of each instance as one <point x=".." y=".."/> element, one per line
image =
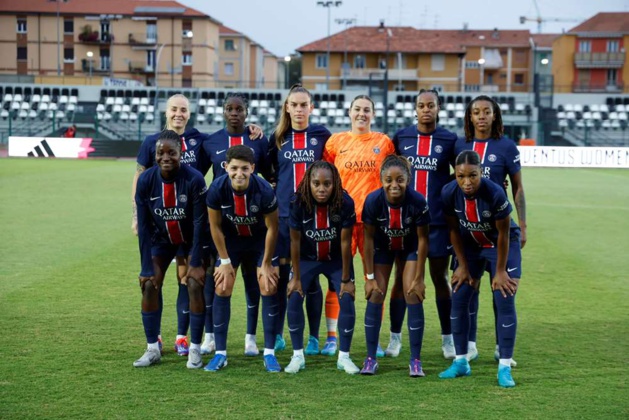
<point x="242" y="248"/>
<point x="485" y="259"/>
<point x="439" y="242"/>
<point x="332" y="270"/>
<point x="169" y="251"/>
<point x="388" y="257"/>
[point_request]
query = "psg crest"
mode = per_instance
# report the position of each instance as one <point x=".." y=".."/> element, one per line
<point x="254" y="209"/>
<point x="486" y="213"/>
<point x="313" y="141"/>
<point x="183" y="198"/>
<point x="438" y="149"/>
<point x="192" y="142"/>
<point x="336" y="218"/>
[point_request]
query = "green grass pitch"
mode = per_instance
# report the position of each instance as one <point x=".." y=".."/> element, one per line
<point x="71" y="327"/>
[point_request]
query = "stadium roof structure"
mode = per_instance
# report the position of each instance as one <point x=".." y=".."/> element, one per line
<point x="604" y="22"/>
<point x="371" y="39"/>
<point x="102" y="7"/>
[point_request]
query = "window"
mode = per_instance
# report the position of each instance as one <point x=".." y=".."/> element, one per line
<point x="186" y="59"/>
<point x="518" y="79"/>
<point x="105" y="62"/>
<point x="612" y="77"/>
<point x="68" y="26"/>
<point x="229" y="45"/>
<point x="400" y="61"/>
<point x="613" y="45"/>
<point x="321" y="86"/>
<point x="21" y="25"/>
<point x="438" y="88"/>
<point x="585" y="46"/>
<point x="104" y="31"/>
<point x="151" y="32"/>
<point x="472" y="65"/>
<point x="21" y="53"/>
<point x="359" y="62"/>
<point x="229" y="69"/>
<point x="438" y="62"/>
<point x="150" y="60"/>
<point x="322" y="61"/>
<point x="68" y="55"/>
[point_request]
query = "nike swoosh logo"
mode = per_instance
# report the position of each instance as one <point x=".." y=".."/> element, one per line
<point x="369" y="326"/>
<point x="453" y="318"/>
<point x="220" y="151"/>
<point x="458" y="211"/>
<point x="273" y="259"/>
<point x="185" y="312"/>
<point x="343" y="151"/>
<point x="414" y="329"/>
<point x="381" y="219"/>
<point x="507" y="326"/>
<point x="154" y="198"/>
<point x="511" y="269"/>
<point x="218" y="326"/>
<point x="348" y="331"/>
<point x="275" y="314"/>
<point x="449" y="246"/>
<point x="283" y="143"/>
<point x="293" y="329"/>
<point x="408" y="147"/>
<point x="225" y="207"/>
<point x="472" y="313"/>
<point x="251" y="306"/>
<point x="307" y="221"/>
<point x="206" y="246"/>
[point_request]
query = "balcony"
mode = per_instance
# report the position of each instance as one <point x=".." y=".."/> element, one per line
<point x="142" y="41"/>
<point x="96" y="67"/>
<point x="378" y="73"/>
<point x="93" y="37"/>
<point x="606" y="60"/>
<point x="585" y="87"/>
<point x="140" y="67"/>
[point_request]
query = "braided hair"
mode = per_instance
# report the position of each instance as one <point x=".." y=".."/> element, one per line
<point x="497" y="128"/>
<point x="395" y="160"/>
<point x="304" y="190"/>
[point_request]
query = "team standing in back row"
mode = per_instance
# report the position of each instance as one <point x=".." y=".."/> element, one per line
<point x="322" y="198"/>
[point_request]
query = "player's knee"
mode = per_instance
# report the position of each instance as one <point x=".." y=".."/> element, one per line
<point x="411" y="299"/>
<point x="268" y="291"/>
<point x="195" y="289"/>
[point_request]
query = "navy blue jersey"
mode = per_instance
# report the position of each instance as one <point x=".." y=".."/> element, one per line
<point x="396" y="226"/>
<point x="191" y="150"/>
<point x="478" y="214"/>
<point x="242" y="212"/>
<point x="321" y="228"/>
<point x="171" y="212"/>
<point x="216" y="145"/>
<point x="431" y="155"/>
<point x="299" y="149"/>
<point x="498" y="158"/>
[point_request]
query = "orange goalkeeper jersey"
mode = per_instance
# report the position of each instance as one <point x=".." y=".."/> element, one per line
<point x="358" y="158"/>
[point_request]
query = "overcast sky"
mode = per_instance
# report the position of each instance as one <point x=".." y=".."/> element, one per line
<point x="281" y="26"/>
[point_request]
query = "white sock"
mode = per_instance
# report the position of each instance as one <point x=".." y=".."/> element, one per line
<point x="460" y="356"/>
<point x="250" y="337"/>
<point x="298" y="352"/>
<point x="180" y="336"/>
<point x="497" y="348"/>
<point x="269" y="351"/>
<point x="505" y="362"/>
<point x="471" y="345"/>
<point x="397" y="336"/>
<point x="195" y="346"/>
<point x="331" y="324"/>
<point x="153" y="346"/>
<point x="209" y="337"/>
<point x="447" y="337"/>
<point x="223" y="352"/>
<point x="343" y="354"/>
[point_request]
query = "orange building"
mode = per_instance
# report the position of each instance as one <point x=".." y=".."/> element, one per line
<point x="591" y="57"/>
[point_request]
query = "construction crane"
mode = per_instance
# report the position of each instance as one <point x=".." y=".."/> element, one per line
<point x="539" y="19"/>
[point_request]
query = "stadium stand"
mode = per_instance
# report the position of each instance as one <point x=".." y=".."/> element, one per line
<point x="132" y="113"/>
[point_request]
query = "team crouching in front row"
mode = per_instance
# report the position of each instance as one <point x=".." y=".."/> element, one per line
<point x="173" y="203"/>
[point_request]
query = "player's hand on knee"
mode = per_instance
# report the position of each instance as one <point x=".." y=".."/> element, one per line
<point x="294" y="286"/>
<point x="195" y="273"/>
<point x="349" y="288"/>
<point x="417" y="288"/>
<point x="460" y="277"/>
<point x="371" y="287"/>
<point x="503" y="283"/>
<point x="144" y="279"/>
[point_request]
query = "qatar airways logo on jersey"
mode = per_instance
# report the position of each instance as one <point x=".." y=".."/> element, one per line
<point x="242" y="220"/>
<point x="172" y="213"/>
<point x="476" y="226"/>
<point x="423" y="163"/>
<point x="396" y="233"/>
<point x="299" y="156"/>
<point x="361" y="166"/>
<point x="486" y="172"/>
<point x="322" y="235"/>
<point x="188" y="157"/>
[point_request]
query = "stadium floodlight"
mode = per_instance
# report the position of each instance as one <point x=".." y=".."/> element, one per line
<point x="328" y="4"/>
<point x="287" y="67"/>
